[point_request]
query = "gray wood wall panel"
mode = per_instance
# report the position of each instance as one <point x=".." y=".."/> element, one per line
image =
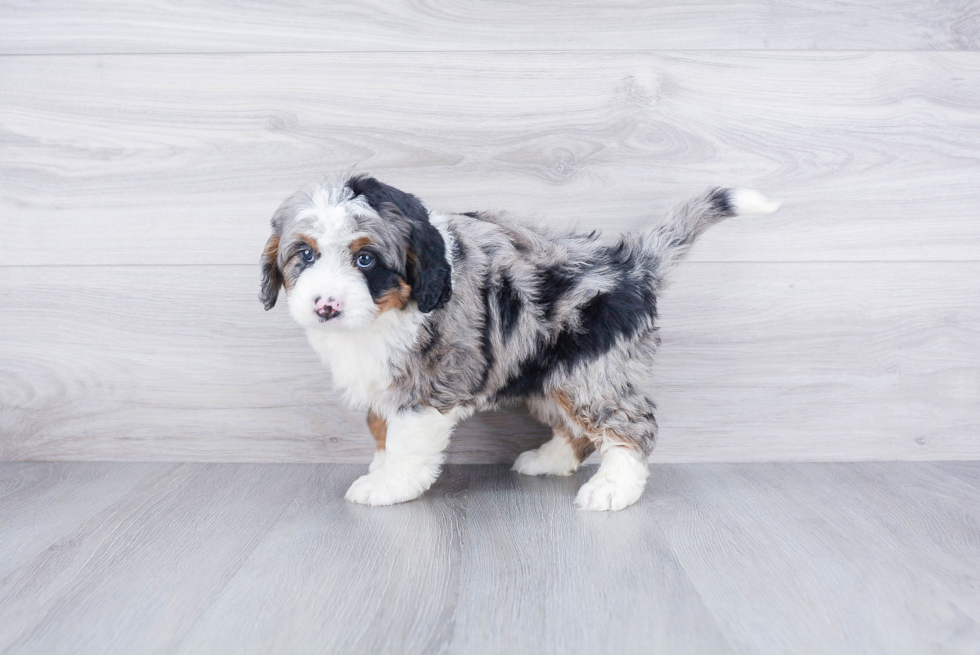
<point x="760" y="361"/>
<point x="182" y="159"/>
<point x="135" y="193"/>
<point x="110" y="26"/>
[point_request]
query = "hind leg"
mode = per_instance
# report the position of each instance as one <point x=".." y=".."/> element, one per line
<point x="560" y="456"/>
<point x="625" y="431"/>
<point x="563" y="454"/>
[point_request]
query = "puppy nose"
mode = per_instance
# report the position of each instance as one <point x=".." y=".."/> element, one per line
<point x="326" y="308"/>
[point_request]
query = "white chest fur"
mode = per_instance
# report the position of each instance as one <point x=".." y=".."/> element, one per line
<point x="361" y="361"/>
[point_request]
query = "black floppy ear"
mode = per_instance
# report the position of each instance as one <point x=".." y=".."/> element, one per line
<point x="271" y="275"/>
<point x="429" y="273"/>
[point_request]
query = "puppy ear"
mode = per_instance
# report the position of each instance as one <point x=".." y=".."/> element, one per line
<point x="429" y="273"/>
<point x="271" y="275"/>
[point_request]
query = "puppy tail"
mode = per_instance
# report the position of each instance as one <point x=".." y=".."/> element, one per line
<point x="671" y="240"/>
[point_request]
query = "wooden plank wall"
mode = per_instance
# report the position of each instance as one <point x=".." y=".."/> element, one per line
<point x="143" y="148"/>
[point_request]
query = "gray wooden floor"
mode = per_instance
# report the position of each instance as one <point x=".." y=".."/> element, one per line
<point x="262" y="558"/>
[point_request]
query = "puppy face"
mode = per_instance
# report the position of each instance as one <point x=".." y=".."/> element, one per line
<point x="347" y="252"/>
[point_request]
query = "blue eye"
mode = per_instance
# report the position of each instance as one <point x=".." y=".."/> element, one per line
<point x="307" y="255"/>
<point x="364" y="260"/>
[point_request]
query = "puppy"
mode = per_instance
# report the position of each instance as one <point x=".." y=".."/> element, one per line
<point x="424" y="318"/>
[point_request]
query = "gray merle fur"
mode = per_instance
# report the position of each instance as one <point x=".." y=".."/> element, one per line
<point x="520" y="312"/>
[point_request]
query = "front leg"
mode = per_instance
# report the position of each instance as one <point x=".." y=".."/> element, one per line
<point x="414" y="450"/>
<point x="379" y="430"/>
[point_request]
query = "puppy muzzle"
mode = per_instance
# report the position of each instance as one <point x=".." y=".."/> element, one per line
<point x="327" y="308"/>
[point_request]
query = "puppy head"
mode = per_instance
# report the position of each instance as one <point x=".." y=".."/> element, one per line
<point x="347" y="252"/>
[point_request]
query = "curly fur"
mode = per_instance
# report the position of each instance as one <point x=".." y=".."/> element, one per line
<point x="465" y="312"/>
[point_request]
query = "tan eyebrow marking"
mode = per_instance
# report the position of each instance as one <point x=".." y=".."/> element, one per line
<point x="360" y="243"/>
<point x="310" y="241"/>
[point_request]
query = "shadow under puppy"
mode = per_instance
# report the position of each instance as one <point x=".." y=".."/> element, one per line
<point x="424" y="318"/>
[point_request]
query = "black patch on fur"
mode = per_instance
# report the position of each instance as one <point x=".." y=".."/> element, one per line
<point x="722" y="200"/>
<point x="428" y="272"/>
<point x="378" y="194"/>
<point x="509" y="307"/>
<point x="380" y="280"/>
<point x="620" y="313"/>
<point x="486" y="345"/>
<point x="553" y="283"/>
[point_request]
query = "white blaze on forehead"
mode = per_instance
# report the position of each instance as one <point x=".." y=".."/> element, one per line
<point x="332" y="212"/>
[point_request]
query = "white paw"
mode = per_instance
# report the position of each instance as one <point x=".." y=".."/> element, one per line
<point x="534" y="462"/>
<point x="389" y="485"/>
<point x="602" y="494"/>
<point x="617" y="484"/>
<point x="529" y="463"/>
<point x="556" y="457"/>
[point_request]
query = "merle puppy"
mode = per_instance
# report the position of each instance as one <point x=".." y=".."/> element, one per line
<point x="425" y="317"/>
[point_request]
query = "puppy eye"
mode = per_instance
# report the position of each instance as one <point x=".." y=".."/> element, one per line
<point x="365" y="260"/>
<point x="307" y="255"/>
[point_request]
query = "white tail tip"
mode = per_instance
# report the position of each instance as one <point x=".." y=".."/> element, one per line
<point x="747" y="202"/>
